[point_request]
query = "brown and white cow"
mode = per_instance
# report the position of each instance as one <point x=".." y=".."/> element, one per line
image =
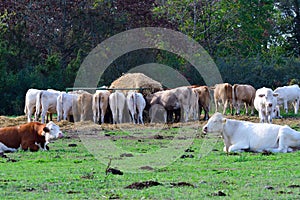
<point x="203" y="100"/>
<point x="223" y="94"/>
<point x="31" y="136"/>
<point x="99" y="105"/>
<point x="243" y="94"/>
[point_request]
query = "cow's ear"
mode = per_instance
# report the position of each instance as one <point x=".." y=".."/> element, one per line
<point x="275" y="94"/>
<point x="261" y="95"/>
<point x="46" y="129"/>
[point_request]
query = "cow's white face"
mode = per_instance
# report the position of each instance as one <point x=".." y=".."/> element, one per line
<point x="52" y="131"/>
<point x="215" y="124"/>
<point x="269" y="99"/>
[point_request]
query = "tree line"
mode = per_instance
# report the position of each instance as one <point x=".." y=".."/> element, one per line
<point x="43" y="43"/>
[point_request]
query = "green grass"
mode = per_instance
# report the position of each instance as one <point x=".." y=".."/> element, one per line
<point x="67" y="172"/>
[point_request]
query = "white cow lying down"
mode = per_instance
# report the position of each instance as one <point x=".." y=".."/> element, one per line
<point x="257" y="137"/>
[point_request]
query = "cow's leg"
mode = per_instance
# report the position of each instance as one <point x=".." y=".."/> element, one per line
<point x="225" y="107"/>
<point x="246" y="108"/>
<point x="238" y="108"/>
<point x="206" y="115"/>
<point x="252" y="110"/>
<point x="285" y="106"/>
<point x="270" y="118"/>
<point x="238" y="147"/>
<point x="200" y="111"/>
<point x="43" y="115"/>
<point x="216" y="104"/>
<point x="296" y="106"/>
<point x="131" y="113"/>
<point x="30" y="112"/>
<point x="102" y="114"/>
<point x="140" y="117"/>
<point x="4" y="148"/>
<point x="261" y="117"/>
<point x="169" y="116"/>
<point x="287" y="138"/>
<point x="119" y="116"/>
<point x="186" y="109"/>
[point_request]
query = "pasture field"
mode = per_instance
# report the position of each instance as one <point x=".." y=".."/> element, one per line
<point x="203" y="171"/>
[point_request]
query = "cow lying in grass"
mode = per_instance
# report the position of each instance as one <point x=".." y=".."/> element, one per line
<point x="31" y="136"/>
<point x="242" y="136"/>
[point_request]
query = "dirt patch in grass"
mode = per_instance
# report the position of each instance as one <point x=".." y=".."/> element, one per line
<point x="142" y="185"/>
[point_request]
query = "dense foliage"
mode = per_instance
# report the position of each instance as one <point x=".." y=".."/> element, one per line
<point x="42" y="43"/>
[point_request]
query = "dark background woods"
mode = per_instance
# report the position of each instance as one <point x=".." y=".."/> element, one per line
<point x="42" y="43"/>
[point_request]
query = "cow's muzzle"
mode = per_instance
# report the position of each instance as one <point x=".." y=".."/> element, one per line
<point x="204" y="130"/>
<point x="60" y="135"/>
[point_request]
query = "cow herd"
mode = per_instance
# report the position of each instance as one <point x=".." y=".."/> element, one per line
<point x="178" y="104"/>
<point x="181" y="104"/>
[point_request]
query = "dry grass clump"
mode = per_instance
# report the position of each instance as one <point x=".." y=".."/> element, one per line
<point x="9" y="121"/>
<point x="136" y="80"/>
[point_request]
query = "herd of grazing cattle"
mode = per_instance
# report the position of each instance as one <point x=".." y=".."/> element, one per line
<point x="173" y="105"/>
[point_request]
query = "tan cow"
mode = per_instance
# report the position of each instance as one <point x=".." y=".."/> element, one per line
<point x="243" y="94"/>
<point x="100" y="104"/>
<point x="223" y="94"/>
<point x="203" y="100"/>
<point x="85" y="101"/>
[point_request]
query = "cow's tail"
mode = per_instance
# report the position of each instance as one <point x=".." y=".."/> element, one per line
<point x="134" y="102"/>
<point x="59" y="106"/>
<point x="25" y="108"/>
<point x="38" y="105"/>
<point x="234" y="93"/>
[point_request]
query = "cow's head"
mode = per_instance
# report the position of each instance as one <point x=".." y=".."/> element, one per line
<point x="269" y="99"/>
<point x="52" y="131"/>
<point x="215" y="124"/>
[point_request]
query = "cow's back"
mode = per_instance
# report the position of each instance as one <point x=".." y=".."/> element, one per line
<point x="223" y="91"/>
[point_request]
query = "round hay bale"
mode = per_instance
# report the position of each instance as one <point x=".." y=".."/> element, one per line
<point x="136" y="80"/>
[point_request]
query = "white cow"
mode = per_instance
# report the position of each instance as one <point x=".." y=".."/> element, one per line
<point x="265" y="103"/>
<point x="242" y="136"/>
<point x="99" y="106"/>
<point x="136" y="105"/>
<point x="64" y="107"/>
<point x="30" y="103"/>
<point x="288" y="94"/>
<point x="117" y="102"/>
<point x="46" y="101"/>
<point x="184" y="95"/>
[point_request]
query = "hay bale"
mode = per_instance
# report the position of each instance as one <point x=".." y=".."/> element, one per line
<point x="136" y="80"/>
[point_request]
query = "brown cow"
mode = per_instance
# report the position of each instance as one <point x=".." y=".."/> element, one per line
<point x="31" y="136"/>
<point x="243" y="94"/>
<point x="203" y="100"/>
<point x="223" y="94"/>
